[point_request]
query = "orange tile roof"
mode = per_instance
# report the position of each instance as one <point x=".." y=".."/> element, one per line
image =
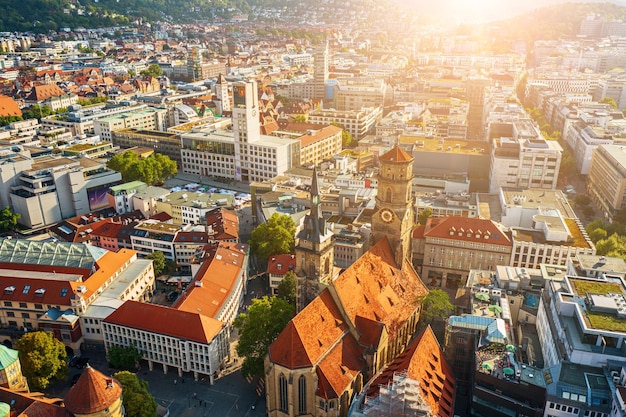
<point x="93" y="392"/>
<point x="469" y="228"/>
<point x="310" y="334"/>
<point x="107" y="266"/>
<point x="216" y="279"/>
<point x="418" y="232"/>
<point x="396" y="154"/>
<point x="281" y="264"/>
<point x="318" y="135"/>
<point x="166" y="321"/>
<point x="423" y="361"/>
<point x="107" y="229"/>
<point x="339" y="368"/>
<point x="32" y="404"/>
<point x="44" y="92"/>
<point x="8" y="107"/>
<point x="374" y="288"/>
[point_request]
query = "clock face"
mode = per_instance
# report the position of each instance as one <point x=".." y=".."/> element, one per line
<point x="386" y="215"/>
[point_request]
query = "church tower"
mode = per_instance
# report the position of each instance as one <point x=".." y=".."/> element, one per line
<point x="393" y="216"/>
<point x="314" y="251"/>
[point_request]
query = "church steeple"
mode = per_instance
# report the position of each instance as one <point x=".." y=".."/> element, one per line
<point x="314" y="249"/>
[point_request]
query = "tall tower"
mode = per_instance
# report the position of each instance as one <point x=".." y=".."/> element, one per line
<point x="246" y="125"/>
<point x="320" y="72"/>
<point x="95" y="395"/>
<point x="393" y="216"/>
<point x="221" y="91"/>
<point x="315" y="251"/>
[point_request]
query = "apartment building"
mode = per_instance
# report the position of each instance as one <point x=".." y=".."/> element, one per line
<point x="148" y="118"/>
<point x="606" y="183"/>
<point x="277" y="267"/>
<point x="316" y="143"/>
<point x="50" y="189"/>
<point x="524" y="159"/>
<point x="354" y="94"/>
<point x="191" y="207"/>
<point x="80" y="120"/>
<point x="120" y="197"/>
<point x="358" y="122"/>
<point x="165" y="143"/>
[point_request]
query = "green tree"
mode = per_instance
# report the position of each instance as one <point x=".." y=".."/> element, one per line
<point x="301" y="118"/>
<point x="424" y="215"/>
<point x="435" y="305"/>
<point x="274" y="237"/>
<point x="7" y="120"/>
<point x="582" y="200"/>
<point x="152" y="170"/>
<point x="610" y="101"/>
<point x="347" y="141"/>
<point x="8" y="219"/>
<point x="137" y="400"/>
<point x="153" y="70"/>
<point x="287" y="288"/>
<point x="124" y="357"/>
<point x="158" y="262"/>
<point x="258" y="328"/>
<point x="597" y="234"/>
<point x="36" y="112"/>
<point x="43" y="359"/>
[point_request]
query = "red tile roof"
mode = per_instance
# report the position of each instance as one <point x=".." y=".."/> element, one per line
<point x="56" y="292"/>
<point x="339" y="368"/>
<point x="396" y="154"/>
<point x="318" y="134"/>
<point x="374" y="288"/>
<point x="423" y="361"/>
<point x="467" y="229"/>
<point x="310" y="334"/>
<point x="44" y="92"/>
<point x="8" y="107"/>
<point x="281" y="264"/>
<point x="93" y="392"/>
<point x="32" y="404"/>
<point x="166" y="321"/>
<point x="162" y="217"/>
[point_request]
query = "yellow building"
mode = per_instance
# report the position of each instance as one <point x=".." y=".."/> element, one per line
<point x="11" y="371"/>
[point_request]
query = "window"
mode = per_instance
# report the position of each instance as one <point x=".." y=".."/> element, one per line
<point x="23" y="305"/>
<point x="282" y="392"/>
<point x="8" y="304"/>
<point x="10" y="314"/>
<point x="25" y="315"/>
<point x="302" y="395"/>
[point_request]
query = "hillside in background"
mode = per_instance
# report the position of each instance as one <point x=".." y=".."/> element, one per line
<point x="562" y="20"/>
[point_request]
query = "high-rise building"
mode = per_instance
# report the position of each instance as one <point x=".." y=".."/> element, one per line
<point x="321" y="72"/>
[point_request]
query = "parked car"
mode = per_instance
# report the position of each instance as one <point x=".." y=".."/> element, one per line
<point x="569" y="189"/>
<point x="78" y="362"/>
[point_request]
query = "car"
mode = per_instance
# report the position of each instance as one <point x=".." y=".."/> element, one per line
<point x="78" y="362"/>
<point x="569" y="189"/>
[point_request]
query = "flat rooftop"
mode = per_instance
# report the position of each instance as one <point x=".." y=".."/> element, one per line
<point x="426" y="144"/>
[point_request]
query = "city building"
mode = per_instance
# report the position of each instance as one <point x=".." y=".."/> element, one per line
<point x="277" y="267"/>
<point x="242" y="153"/>
<point x="191" y="207"/>
<point x="448" y="248"/>
<point x="354" y="94"/>
<point x="148" y="118"/>
<point x="50" y="189"/>
<point x="358" y="122"/>
<point x="121" y="196"/>
<point x="11" y="376"/>
<point x="606" y="183"/>
<point x="56" y="287"/>
<point x="199" y="346"/>
<point x="522" y="158"/>
<point x="165" y="143"/>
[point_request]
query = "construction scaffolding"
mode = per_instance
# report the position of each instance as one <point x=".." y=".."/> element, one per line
<point x="401" y="397"/>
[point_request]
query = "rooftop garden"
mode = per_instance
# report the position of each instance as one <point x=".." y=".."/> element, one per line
<point x="606" y="322"/>
<point x="583" y="287"/>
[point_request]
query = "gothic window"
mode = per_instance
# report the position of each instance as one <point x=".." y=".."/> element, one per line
<point x="282" y="392"/>
<point x="302" y="395"/>
<point x="388" y="195"/>
<point x="327" y="266"/>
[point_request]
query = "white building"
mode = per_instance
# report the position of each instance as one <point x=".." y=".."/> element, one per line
<point x="358" y="122"/>
<point x="145" y="119"/>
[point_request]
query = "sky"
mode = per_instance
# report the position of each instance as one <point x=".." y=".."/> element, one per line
<point x="479" y="11"/>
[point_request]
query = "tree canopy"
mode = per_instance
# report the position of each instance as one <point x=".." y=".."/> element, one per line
<point x="435" y="305"/>
<point x="124" y="357"/>
<point x="153" y="70"/>
<point x="137" y="400"/>
<point x="43" y="359"/>
<point x="8" y="219"/>
<point x="258" y="328"/>
<point x="275" y="237"/>
<point x="287" y="288"/>
<point x="152" y="170"/>
<point x="424" y="215"/>
<point x="158" y="262"/>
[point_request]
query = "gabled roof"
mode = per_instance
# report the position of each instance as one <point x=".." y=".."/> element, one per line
<point x="373" y="287"/>
<point x="339" y="368"/>
<point x="423" y="361"/>
<point x="44" y="92"/>
<point x="281" y="264"/>
<point x="467" y="229"/>
<point x="310" y="334"/>
<point x="8" y="107"/>
<point x="31" y="404"/>
<point x="93" y="392"/>
<point x="166" y="321"/>
<point x="396" y="154"/>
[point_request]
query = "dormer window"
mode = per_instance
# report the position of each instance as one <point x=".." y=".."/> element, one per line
<point x="9" y="290"/>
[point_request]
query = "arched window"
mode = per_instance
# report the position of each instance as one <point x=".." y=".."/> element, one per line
<point x="388" y="195"/>
<point x="327" y="266"/>
<point x="282" y="392"/>
<point x="302" y="395"/>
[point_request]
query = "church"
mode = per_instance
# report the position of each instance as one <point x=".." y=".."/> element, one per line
<point x="361" y="320"/>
